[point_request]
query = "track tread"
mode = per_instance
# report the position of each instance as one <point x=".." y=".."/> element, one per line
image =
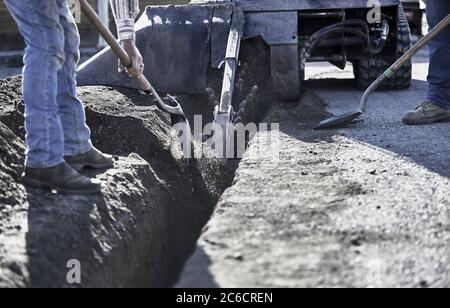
<point x="367" y="70"/>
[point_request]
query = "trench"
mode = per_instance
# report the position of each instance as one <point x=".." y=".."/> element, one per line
<point x="194" y="185"/>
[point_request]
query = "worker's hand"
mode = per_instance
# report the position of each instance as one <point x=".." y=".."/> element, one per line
<point x="137" y="62"/>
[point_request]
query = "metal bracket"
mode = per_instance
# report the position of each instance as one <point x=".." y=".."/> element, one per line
<point x="223" y="117"/>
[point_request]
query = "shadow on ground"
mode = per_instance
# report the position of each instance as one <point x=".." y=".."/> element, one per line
<point x="198" y="273"/>
<point x="381" y="126"/>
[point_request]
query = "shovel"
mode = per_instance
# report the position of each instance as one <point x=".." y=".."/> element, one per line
<point x="389" y="73"/>
<point x="170" y="105"/>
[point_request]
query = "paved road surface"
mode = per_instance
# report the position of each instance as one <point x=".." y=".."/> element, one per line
<point x="365" y="206"/>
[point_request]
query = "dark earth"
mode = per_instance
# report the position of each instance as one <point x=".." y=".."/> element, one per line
<point x="142" y="227"/>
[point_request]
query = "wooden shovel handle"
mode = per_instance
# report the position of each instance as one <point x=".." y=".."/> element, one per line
<point x="421" y="43"/>
<point x="142" y="82"/>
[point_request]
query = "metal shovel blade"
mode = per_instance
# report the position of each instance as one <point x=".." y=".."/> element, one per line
<point x="338" y="121"/>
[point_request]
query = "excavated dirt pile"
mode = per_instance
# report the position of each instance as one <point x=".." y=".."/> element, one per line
<point x="142" y="227"/>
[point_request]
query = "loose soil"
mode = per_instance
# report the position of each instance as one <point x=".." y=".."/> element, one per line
<point x="142" y="227"/>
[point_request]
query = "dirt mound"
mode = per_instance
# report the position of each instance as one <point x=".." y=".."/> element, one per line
<point x="11" y="104"/>
<point x="11" y="158"/>
<point x="142" y="227"/>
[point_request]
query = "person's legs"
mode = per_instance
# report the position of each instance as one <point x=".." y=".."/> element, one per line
<point x="78" y="149"/>
<point x="439" y="72"/>
<point x="437" y="106"/>
<point x="71" y="111"/>
<point x="39" y="23"/>
<point x="44" y="55"/>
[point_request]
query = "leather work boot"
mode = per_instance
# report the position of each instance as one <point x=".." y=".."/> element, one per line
<point x="61" y="178"/>
<point x="93" y="159"/>
<point x="427" y="113"/>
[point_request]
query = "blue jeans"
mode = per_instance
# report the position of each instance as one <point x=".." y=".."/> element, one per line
<point x="55" y="120"/>
<point x="439" y="73"/>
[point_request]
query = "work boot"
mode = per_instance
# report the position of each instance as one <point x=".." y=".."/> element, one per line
<point x="93" y="159"/>
<point x="61" y="178"/>
<point x="427" y="113"/>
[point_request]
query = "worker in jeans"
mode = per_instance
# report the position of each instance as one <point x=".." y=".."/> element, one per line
<point x="437" y="106"/>
<point x="57" y="137"/>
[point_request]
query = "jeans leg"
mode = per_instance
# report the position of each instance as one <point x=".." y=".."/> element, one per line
<point x="71" y="111"/>
<point x="439" y="72"/>
<point x="44" y="55"/>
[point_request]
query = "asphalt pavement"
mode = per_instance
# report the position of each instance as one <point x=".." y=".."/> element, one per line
<point x="363" y="206"/>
